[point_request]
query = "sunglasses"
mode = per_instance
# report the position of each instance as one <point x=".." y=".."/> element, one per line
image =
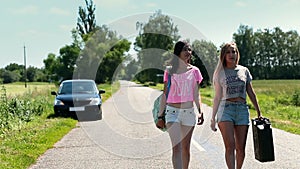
<point x="233" y="52"/>
<point x="186" y="48"/>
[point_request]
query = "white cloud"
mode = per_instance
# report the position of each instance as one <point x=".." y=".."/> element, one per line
<point x="111" y="3"/>
<point x="151" y="5"/>
<point x="294" y="1"/>
<point x="59" y="11"/>
<point x="30" y="9"/>
<point x="240" y="4"/>
<point x="29" y="33"/>
<point x="66" y="27"/>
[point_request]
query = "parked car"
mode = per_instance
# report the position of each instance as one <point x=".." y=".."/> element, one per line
<point x="78" y="96"/>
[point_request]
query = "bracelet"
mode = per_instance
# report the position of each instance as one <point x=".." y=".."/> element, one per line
<point x="161" y="117"/>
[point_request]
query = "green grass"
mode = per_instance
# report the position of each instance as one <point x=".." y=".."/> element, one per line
<point x="21" y="148"/>
<point x="277" y="100"/>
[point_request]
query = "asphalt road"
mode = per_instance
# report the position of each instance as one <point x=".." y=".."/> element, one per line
<point x="127" y="138"/>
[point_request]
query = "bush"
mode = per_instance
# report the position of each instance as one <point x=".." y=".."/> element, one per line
<point x="283" y="99"/>
<point x="17" y="111"/>
<point x="296" y="98"/>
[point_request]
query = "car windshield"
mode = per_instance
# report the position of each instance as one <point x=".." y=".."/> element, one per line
<point x="78" y="87"/>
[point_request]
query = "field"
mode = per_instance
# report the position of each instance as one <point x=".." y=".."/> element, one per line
<point x="16" y="89"/>
<point x="279" y="101"/>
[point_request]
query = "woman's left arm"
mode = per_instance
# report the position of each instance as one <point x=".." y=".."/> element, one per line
<point x="252" y="96"/>
<point x="197" y="98"/>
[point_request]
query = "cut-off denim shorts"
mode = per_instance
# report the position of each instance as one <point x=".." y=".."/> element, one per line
<point x="186" y="117"/>
<point x="236" y="112"/>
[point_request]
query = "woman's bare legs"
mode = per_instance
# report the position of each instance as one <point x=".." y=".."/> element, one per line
<point x="186" y="133"/>
<point x="240" y="144"/>
<point x="227" y="131"/>
<point x="181" y="143"/>
<point x="175" y="136"/>
<point x="234" y="138"/>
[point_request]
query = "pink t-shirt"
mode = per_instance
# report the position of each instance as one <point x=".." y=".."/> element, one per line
<point x="182" y="85"/>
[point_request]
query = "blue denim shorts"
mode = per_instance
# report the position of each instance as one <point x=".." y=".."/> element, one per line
<point x="236" y="112"/>
<point x="186" y="117"/>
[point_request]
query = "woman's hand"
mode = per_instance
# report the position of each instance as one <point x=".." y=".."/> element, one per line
<point x="259" y="115"/>
<point x="200" y="119"/>
<point x="213" y="125"/>
<point x="161" y="122"/>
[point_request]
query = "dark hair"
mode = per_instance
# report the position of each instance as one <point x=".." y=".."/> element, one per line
<point x="179" y="46"/>
<point x="177" y="50"/>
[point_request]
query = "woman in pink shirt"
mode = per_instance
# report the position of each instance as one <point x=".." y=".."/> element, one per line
<point x="179" y="110"/>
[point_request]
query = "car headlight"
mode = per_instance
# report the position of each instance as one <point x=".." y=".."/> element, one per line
<point x="95" y="101"/>
<point x="58" y="102"/>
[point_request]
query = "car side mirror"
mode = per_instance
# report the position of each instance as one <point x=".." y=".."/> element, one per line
<point x="53" y="93"/>
<point x="101" y="91"/>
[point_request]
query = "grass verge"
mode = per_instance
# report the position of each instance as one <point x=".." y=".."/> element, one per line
<point x="20" y="148"/>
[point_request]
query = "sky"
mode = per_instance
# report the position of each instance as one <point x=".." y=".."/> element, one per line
<point x="45" y="26"/>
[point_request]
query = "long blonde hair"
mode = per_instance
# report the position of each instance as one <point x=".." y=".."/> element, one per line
<point x="222" y="61"/>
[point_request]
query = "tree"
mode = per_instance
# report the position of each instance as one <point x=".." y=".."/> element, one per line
<point x="31" y="73"/>
<point x="102" y="54"/>
<point x="15" y="73"/>
<point x="205" y="57"/>
<point x="63" y="66"/>
<point x="67" y="60"/>
<point x="112" y="60"/>
<point x="86" y="21"/>
<point x="294" y="55"/>
<point x="155" y="39"/>
<point x="245" y="42"/>
<point x="2" y="70"/>
<point x="131" y="68"/>
<point x="14" y="66"/>
<point x="11" y="76"/>
<point x="51" y="67"/>
<point x="269" y="53"/>
<point x="92" y="45"/>
<point x="35" y="74"/>
<point x="40" y="76"/>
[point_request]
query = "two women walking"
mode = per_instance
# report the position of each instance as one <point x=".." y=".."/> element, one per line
<point x="232" y="82"/>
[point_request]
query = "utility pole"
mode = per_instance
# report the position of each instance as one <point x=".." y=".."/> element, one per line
<point x="25" y="73"/>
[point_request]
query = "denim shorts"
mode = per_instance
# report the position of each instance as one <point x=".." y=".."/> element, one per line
<point x="186" y="117"/>
<point x="236" y="112"/>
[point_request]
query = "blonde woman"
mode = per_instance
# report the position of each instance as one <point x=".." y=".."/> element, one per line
<point x="231" y="84"/>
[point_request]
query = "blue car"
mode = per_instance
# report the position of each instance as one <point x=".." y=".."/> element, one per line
<point x="78" y="97"/>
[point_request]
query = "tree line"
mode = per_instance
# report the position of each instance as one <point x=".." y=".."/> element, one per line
<point x="99" y="53"/>
<point x="269" y="53"/>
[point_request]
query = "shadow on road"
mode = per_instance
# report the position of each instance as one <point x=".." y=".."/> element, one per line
<point x="80" y="116"/>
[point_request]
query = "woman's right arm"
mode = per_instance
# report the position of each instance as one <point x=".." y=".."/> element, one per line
<point x="163" y="101"/>
<point x="216" y="102"/>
